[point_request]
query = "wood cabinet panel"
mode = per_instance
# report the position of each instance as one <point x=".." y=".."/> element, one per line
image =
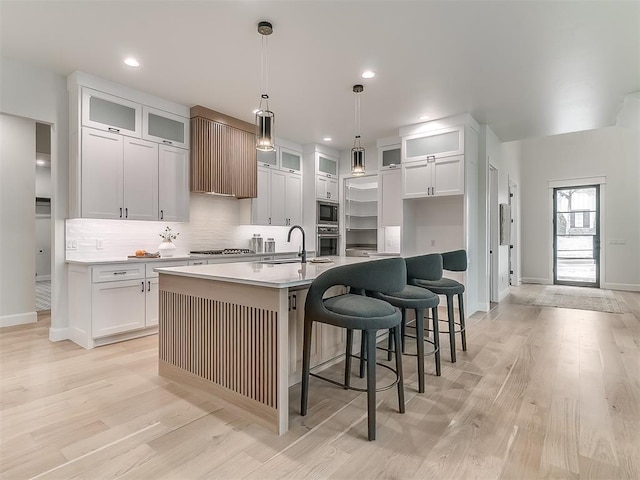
<point x="223" y="157"/>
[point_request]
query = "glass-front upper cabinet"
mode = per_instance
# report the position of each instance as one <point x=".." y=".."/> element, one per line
<point x="267" y="159"/>
<point x="164" y="127"/>
<point x="440" y="143"/>
<point x="390" y="157"/>
<point x="327" y="166"/>
<point x="111" y="113"/>
<point x="290" y="161"/>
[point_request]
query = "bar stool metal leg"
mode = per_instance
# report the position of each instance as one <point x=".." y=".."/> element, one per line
<point x="436" y="338"/>
<point x="396" y="335"/>
<point x="371" y="382"/>
<point x="452" y="326"/>
<point x="420" y="347"/>
<point x="347" y="360"/>
<point x="306" y="364"/>
<point x="463" y="331"/>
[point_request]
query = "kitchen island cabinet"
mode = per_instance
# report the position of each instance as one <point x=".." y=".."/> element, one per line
<point x="229" y="330"/>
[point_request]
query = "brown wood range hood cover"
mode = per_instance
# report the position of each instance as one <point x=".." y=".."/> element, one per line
<point x="223" y="154"/>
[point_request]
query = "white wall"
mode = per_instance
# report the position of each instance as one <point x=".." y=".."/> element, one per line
<point x="38" y="94"/>
<point x="17" y="220"/>
<point x="612" y="152"/>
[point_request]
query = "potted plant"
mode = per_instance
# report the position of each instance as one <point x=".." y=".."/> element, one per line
<point x="167" y="246"/>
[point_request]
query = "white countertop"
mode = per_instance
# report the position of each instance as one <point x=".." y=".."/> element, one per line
<point x="283" y="275"/>
<point x="107" y="260"/>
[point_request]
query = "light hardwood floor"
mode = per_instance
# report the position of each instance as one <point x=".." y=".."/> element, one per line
<point x="540" y="393"/>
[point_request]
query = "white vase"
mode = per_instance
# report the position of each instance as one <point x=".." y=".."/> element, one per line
<point x="166" y="248"/>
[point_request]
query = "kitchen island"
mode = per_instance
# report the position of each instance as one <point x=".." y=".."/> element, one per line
<point x="227" y="329"/>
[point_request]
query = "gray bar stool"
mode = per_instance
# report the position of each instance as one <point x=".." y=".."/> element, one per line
<point x="357" y="312"/>
<point x="418" y="299"/>
<point x="454" y="261"/>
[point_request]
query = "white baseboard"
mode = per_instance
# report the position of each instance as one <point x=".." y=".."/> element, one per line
<point x="43" y="278"/>
<point x="58" y="334"/>
<point x="629" y="287"/>
<point x="503" y="294"/>
<point x="541" y="281"/>
<point x="18" y="319"/>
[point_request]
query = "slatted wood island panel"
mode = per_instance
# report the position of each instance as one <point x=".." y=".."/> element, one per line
<point x="225" y="329"/>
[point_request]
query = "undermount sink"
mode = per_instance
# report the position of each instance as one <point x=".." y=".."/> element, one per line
<point x="278" y="261"/>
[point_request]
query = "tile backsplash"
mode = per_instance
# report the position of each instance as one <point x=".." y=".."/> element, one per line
<point x="215" y="222"/>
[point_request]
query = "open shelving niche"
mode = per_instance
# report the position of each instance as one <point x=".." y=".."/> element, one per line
<point x="361" y="212"/>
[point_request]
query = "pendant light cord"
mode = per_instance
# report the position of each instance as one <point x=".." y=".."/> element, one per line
<point x="265" y="80"/>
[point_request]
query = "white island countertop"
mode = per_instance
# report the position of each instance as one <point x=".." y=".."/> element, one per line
<point x="283" y="275"/>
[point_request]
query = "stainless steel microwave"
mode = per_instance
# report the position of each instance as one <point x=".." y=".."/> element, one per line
<point x="327" y="213"/>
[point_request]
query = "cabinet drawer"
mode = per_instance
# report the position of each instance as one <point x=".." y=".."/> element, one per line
<point x="117" y="272"/>
<point x="170" y="263"/>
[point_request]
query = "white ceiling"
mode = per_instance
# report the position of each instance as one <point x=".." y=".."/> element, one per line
<point x="526" y="68"/>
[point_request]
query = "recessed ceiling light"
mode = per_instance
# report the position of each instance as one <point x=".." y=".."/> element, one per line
<point x="368" y="74"/>
<point x="424" y="117"/>
<point x="327" y="139"/>
<point x="132" y="62"/>
<point x="256" y="111"/>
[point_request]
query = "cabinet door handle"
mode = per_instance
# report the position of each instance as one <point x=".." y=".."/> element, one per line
<point x="142" y="287"/>
<point x="161" y="214"/>
<point x="291" y="171"/>
<point x="328" y="194"/>
<point x="126" y="212"/>
<point x="167" y="142"/>
<point x="149" y="286"/>
<point x="120" y="212"/>
<point x="120" y="273"/>
<point x="114" y="130"/>
<point x="431" y="158"/>
<point x="328" y="175"/>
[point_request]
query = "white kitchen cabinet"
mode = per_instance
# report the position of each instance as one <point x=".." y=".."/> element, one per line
<point x="327" y="342"/>
<point x="117" y="307"/>
<point x="140" y="159"/>
<point x="438" y="143"/>
<point x="293" y="205"/>
<point x="433" y="177"/>
<point x="279" y="198"/>
<point x="173" y="178"/>
<point x="290" y="160"/>
<point x="111" y="113"/>
<point x="326" y="166"/>
<point x="390" y="157"/>
<point x="102" y="174"/>
<point x="390" y="198"/>
<point x="119" y="176"/>
<point x="128" y="153"/>
<point x="114" y="302"/>
<point x="326" y="188"/>
<point x="165" y="128"/>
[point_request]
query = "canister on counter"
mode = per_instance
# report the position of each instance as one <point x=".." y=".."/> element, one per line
<point x="270" y="245"/>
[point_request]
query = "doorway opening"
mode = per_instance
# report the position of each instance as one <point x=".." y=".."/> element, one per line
<point x="576" y="236"/>
<point x="43" y="224"/>
<point x="494" y="234"/>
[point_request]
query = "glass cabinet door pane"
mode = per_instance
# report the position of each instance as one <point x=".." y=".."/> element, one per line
<point x="166" y="128"/>
<point x="290" y="161"/>
<point x="110" y="113"/>
<point x="327" y="166"/>
<point x="431" y="145"/>
<point x="267" y="157"/>
<point x="391" y="157"/>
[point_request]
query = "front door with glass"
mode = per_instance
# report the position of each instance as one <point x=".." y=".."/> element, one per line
<point x="576" y="236"/>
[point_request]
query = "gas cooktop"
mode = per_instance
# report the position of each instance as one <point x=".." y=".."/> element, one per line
<point x="225" y="251"/>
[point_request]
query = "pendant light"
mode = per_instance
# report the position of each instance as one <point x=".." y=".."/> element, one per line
<point x="265" y="119"/>
<point x="357" y="152"/>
